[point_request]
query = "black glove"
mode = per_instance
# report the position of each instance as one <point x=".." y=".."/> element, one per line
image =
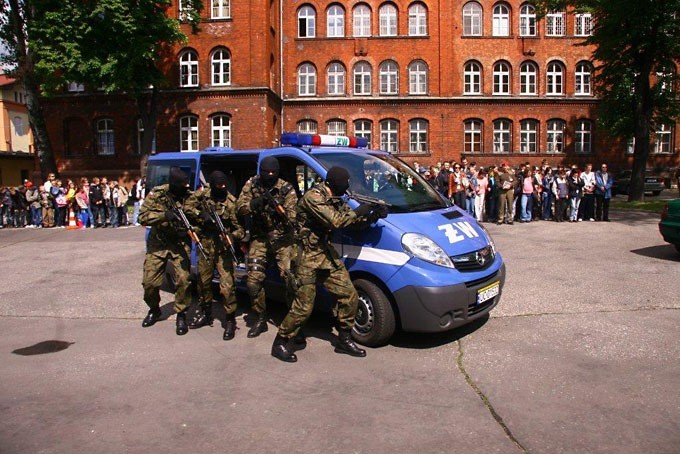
<point x="381" y="210"/>
<point x="257" y="204"/>
<point x="205" y="217"/>
<point x="170" y="216"/>
<point x="363" y="209"/>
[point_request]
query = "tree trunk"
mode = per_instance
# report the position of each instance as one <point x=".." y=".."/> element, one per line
<point x="644" y="114"/>
<point x="148" y="111"/>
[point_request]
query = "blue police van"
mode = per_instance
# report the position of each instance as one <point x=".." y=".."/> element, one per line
<point x="427" y="267"/>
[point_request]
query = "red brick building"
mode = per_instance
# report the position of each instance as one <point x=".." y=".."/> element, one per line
<point x="427" y="79"/>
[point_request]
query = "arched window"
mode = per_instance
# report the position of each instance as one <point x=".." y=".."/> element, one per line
<point x="306" y="22"/>
<point x="361" y="20"/>
<point x="188" y="133"/>
<point x="417" y="76"/>
<point x="472" y="141"/>
<point x="335" y="21"/>
<point x="472" y="75"/>
<point x="188" y="69"/>
<point x="388" y="20"/>
<point x="528" y="78"/>
<point x="362" y="79"/>
<point x="306" y="80"/>
<point x="389" y="136"/>
<point x="221" y="67"/>
<point x="528" y="136"/>
<point x="105" y="137"/>
<point x="527" y="20"/>
<point x="417" y="20"/>
<point x="502" y="136"/>
<point x="582" y="79"/>
<point x="364" y="128"/>
<point x="418" y="136"/>
<point x="554" y="79"/>
<point x="555" y="23"/>
<point x="501" y="78"/>
<point x="220" y="130"/>
<point x="555" y="135"/>
<point x="583" y="136"/>
<point x="501" y="20"/>
<point x="472" y="19"/>
<point x="307" y="126"/>
<point x="336" y="127"/>
<point x="336" y="79"/>
<point x="389" y="78"/>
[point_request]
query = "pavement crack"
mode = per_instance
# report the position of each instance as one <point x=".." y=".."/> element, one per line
<point x="485" y="399"/>
<point x="599" y="311"/>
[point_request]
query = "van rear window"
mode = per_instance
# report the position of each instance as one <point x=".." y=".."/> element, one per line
<point x="158" y="173"/>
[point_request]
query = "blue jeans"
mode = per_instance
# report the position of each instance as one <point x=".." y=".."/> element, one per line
<point x="527" y="203"/>
<point x="470" y="205"/>
<point x="575" y="202"/>
<point x="36" y="216"/>
<point x="547" y="204"/>
<point x="135" y="212"/>
<point x="84" y="217"/>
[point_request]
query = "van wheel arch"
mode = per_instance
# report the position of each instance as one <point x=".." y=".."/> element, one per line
<point x="376" y="315"/>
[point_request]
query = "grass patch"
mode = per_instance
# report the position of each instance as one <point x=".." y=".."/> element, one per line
<point x="653" y="206"/>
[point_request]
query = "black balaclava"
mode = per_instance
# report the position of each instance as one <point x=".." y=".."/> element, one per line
<point x="337" y="179"/>
<point x="178" y="181"/>
<point x="218" y="185"/>
<point x="269" y="171"/>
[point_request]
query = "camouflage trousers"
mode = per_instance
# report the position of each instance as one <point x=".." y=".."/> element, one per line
<point x="259" y="254"/>
<point x="155" y="262"/>
<point x="336" y="281"/>
<point x="218" y="258"/>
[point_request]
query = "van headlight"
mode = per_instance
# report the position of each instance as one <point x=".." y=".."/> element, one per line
<point x="489" y="239"/>
<point x="425" y="249"/>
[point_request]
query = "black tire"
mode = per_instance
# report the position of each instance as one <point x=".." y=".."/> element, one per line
<point x="656" y="193"/>
<point x="375" y="322"/>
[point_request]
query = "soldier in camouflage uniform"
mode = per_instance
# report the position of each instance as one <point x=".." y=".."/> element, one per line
<point x="319" y="212"/>
<point x="167" y="242"/>
<point x="218" y="200"/>
<point x="271" y="232"/>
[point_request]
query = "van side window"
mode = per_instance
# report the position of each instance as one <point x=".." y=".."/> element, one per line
<point x="298" y="174"/>
<point x="158" y="174"/>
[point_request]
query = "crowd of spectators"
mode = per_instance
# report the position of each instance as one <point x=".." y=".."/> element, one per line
<point x="100" y="203"/>
<point x="503" y="194"/>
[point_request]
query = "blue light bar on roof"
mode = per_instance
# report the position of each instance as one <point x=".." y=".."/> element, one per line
<point x="300" y="140"/>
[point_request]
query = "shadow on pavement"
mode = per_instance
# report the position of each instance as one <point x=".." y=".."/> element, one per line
<point x="663" y="252"/>
<point x="41" y="348"/>
<point x="430" y="340"/>
<point x="633" y="218"/>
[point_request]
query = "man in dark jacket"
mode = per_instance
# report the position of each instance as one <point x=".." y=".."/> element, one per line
<point x="96" y="202"/>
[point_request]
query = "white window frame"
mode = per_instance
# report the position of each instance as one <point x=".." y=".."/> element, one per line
<point x="188" y="69"/>
<point x="221" y="67"/>
<point x="472" y="78"/>
<point x="663" y="139"/>
<point x="362" y="78"/>
<point x="308" y="126"/>
<point x="306" y="80"/>
<point x="583" y="24"/>
<point x="188" y="133"/>
<point x="389" y="136"/>
<point x="389" y="78"/>
<point x="306" y="17"/>
<point x="75" y="87"/>
<point x="473" y="15"/>
<point x="555" y="23"/>
<point x="582" y="79"/>
<point x="336" y="127"/>
<point x="106" y="145"/>
<point x="502" y="136"/>
<point x="528" y="136"/>
<point x="418" y="134"/>
<point x="183" y="11"/>
<point x="417" y="20"/>
<point x="335" y="21"/>
<point x="417" y="76"/>
<point x="583" y="137"/>
<point x="528" y="79"/>
<point x="364" y="128"/>
<point x="220" y="130"/>
<point x="473" y="136"/>
<point x="361" y="21"/>
<point x="554" y="78"/>
<point x="555" y="136"/>
<point x="220" y="9"/>
<point x="630" y="146"/>
<point x="501" y="20"/>
<point x="335" y="77"/>
<point x="527" y="20"/>
<point x="388" y="15"/>
<point x="501" y="78"/>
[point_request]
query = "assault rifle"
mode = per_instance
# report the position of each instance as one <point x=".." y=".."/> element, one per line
<point x="187" y="225"/>
<point x="221" y="230"/>
<point x="279" y="210"/>
<point x="361" y="198"/>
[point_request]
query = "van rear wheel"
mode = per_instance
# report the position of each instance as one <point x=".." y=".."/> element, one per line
<point x="375" y="322"/>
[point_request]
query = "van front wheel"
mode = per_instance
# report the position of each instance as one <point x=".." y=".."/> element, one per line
<point x="375" y="321"/>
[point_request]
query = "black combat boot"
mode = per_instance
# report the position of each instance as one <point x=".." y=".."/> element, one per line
<point x="181" y="324"/>
<point x="229" y="328"/>
<point x="203" y="316"/>
<point x="346" y="345"/>
<point x="260" y="325"/>
<point x="282" y="350"/>
<point x="299" y="342"/>
<point x="152" y="317"/>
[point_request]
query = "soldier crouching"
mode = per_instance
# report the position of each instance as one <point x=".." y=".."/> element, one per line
<point x="319" y="212"/>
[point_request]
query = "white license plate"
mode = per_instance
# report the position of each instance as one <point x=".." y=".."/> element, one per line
<point x="488" y="292"/>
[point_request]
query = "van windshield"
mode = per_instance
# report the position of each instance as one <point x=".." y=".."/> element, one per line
<point x="388" y="178"/>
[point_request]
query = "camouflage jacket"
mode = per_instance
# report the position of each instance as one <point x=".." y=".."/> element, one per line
<point x="197" y="202"/>
<point x="152" y="214"/>
<point x="268" y="223"/>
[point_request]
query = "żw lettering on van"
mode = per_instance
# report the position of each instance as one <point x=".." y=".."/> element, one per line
<point x="457" y="231"/>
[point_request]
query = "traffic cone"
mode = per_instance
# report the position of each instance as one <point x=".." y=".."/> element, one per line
<point x="71" y="220"/>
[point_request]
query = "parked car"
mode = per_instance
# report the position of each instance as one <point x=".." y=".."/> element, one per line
<point x="669" y="226"/>
<point x="653" y="182"/>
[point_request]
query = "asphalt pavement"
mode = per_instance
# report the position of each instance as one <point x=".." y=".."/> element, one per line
<point x="580" y="355"/>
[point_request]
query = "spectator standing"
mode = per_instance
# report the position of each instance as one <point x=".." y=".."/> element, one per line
<point x="121" y="204"/>
<point x="482" y="189"/>
<point x="457" y="186"/>
<point x="60" y="203"/>
<point x="527" y="196"/>
<point x="506" y="193"/>
<point x="114" y="191"/>
<point x="85" y="186"/>
<point x="47" y="205"/>
<point x="603" y="193"/>
<point x="7" y="206"/>
<point x="83" y="202"/>
<point x="441" y="182"/>
<point x="548" y="194"/>
<point x="97" y="203"/>
<point x="137" y="193"/>
<point x="560" y="189"/>
<point x="108" y="203"/>
<point x="492" y="196"/>
<point x="588" y="197"/>
<point x="575" y="191"/>
<point x="50" y="182"/>
<point x="33" y="199"/>
<point x="471" y="188"/>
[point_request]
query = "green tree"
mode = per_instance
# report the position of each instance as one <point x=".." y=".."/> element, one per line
<point x="636" y="45"/>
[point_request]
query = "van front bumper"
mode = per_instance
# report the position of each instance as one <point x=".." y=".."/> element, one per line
<point x="437" y="309"/>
